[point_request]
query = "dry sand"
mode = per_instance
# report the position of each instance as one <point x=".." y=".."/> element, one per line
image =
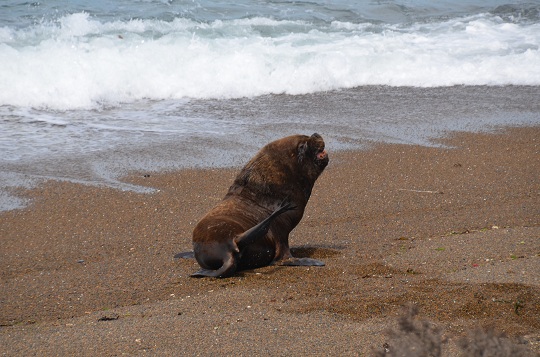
<point x="455" y="231"/>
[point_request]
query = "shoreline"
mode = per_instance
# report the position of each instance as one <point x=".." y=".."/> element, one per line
<point x="454" y="230"/>
<point x="98" y="147"/>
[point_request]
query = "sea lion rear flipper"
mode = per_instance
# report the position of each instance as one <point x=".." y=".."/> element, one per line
<point x="227" y="269"/>
<point x="205" y="273"/>
<point x="301" y="262"/>
<point x="260" y="230"/>
<point x="185" y="255"/>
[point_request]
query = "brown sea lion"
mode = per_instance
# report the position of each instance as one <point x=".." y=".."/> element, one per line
<point x="250" y="227"/>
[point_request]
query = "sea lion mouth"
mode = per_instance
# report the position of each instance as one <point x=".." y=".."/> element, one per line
<point x="321" y="154"/>
<point x="321" y="158"/>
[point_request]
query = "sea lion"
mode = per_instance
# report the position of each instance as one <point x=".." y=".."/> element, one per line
<point x="250" y="227"/>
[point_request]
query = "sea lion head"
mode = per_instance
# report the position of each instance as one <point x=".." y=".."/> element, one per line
<point x="311" y="152"/>
<point x="293" y="161"/>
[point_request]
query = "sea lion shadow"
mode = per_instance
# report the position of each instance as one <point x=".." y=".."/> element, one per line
<point x="306" y="251"/>
<point x="317" y="252"/>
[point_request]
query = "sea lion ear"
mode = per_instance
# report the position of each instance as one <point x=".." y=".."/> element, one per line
<point x="302" y="149"/>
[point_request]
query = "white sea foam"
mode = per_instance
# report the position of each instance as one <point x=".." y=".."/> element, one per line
<point x="79" y="62"/>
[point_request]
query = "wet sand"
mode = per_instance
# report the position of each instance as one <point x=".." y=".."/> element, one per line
<point x="455" y="231"/>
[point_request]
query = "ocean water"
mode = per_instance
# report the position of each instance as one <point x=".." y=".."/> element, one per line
<point x="92" y="89"/>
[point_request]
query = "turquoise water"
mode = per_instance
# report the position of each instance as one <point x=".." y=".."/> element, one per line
<point x="66" y="55"/>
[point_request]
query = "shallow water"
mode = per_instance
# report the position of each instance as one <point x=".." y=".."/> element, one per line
<point x="347" y="119"/>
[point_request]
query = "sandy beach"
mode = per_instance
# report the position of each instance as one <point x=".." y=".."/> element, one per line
<point x="454" y="230"/>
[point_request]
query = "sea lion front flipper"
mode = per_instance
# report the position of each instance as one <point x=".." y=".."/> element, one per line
<point x="301" y="262"/>
<point x="260" y="230"/>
